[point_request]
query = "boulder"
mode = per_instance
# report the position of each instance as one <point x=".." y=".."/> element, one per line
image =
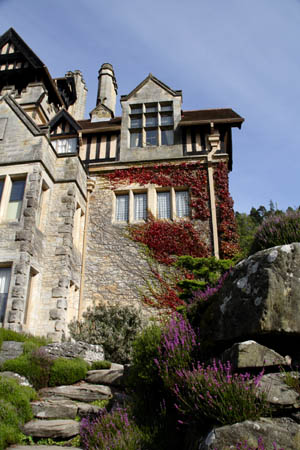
<point x="111" y="377"/>
<point x="270" y="430"/>
<point x="54" y="408"/>
<point x="250" y="354"/>
<point x="278" y="393"/>
<point x="88" y="352"/>
<point x="86" y="409"/>
<point x="19" y="378"/>
<point x="51" y="428"/>
<point x="82" y="392"/>
<point x="10" y="350"/>
<point x="260" y="296"/>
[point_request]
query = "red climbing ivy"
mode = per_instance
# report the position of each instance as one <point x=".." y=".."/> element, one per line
<point x="166" y="239"/>
<point x="228" y="236"/>
<point x="192" y="175"/>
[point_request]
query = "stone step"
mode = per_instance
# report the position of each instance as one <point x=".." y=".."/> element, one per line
<point x="61" y="408"/>
<point x="59" y="428"/>
<point x="82" y="392"/>
<point x="111" y="377"/>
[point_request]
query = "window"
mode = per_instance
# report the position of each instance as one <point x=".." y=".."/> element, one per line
<point x="136" y="139"/>
<point x="151" y="124"/>
<point x="182" y="204"/>
<point x="131" y="207"/>
<point x="5" y="273"/>
<point x="140" y="206"/>
<point x="11" y="195"/>
<point x="122" y="208"/>
<point x="168" y="204"/>
<point x="163" y="205"/>
<point x="65" y="145"/>
<point x="14" y="207"/>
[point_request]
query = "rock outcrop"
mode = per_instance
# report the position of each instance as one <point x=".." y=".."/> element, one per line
<point x="260" y="297"/>
<point x="78" y="349"/>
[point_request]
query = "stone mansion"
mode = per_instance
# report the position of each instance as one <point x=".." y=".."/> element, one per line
<point x="70" y="186"/>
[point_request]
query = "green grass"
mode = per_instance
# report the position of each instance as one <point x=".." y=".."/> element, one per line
<point x="10" y="335"/>
<point x="15" y="410"/>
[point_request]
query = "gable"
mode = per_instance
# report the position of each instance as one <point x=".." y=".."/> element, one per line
<point x="19" y="66"/>
<point x="63" y="124"/>
<point x="15" y="53"/>
<point x="151" y="86"/>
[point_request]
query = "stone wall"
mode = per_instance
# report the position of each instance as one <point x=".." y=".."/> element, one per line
<point x="42" y="248"/>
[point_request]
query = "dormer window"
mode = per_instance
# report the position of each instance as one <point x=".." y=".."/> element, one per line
<point x="65" y="145"/>
<point x="151" y="124"/>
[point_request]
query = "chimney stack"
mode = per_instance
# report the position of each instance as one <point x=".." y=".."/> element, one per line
<point x="107" y="87"/>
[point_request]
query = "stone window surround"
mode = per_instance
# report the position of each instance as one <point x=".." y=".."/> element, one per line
<point x="162" y="109"/>
<point x="7" y="265"/>
<point x="78" y="228"/>
<point x="32" y="297"/>
<point x="151" y="192"/>
<point x="5" y="198"/>
<point x="44" y="199"/>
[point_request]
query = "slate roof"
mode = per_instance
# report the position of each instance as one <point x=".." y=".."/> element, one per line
<point x="218" y="115"/>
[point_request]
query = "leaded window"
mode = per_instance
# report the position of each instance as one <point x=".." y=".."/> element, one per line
<point x="140" y="206"/>
<point x="122" y="208"/>
<point x="151" y="124"/>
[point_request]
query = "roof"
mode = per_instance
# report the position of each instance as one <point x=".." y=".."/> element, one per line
<point x="188" y="118"/>
<point x="105" y="125"/>
<point x="218" y="115"/>
<point x="156" y="81"/>
<point x="24" y="53"/>
<point x="66" y="115"/>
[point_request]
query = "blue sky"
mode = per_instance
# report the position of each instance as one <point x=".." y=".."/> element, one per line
<point x="242" y="54"/>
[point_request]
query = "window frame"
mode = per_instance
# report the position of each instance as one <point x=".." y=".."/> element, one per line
<point x="152" y="194"/>
<point x="66" y="140"/>
<point x="150" y="117"/>
<point x="9" y="267"/>
<point x="5" y="199"/>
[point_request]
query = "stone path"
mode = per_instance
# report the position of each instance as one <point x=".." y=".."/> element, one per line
<point x="57" y="407"/>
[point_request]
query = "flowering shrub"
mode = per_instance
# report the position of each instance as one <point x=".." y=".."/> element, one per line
<point x="277" y="230"/>
<point x="210" y="290"/>
<point x="214" y="393"/>
<point x="175" y="350"/>
<point x="110" y="431"/>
